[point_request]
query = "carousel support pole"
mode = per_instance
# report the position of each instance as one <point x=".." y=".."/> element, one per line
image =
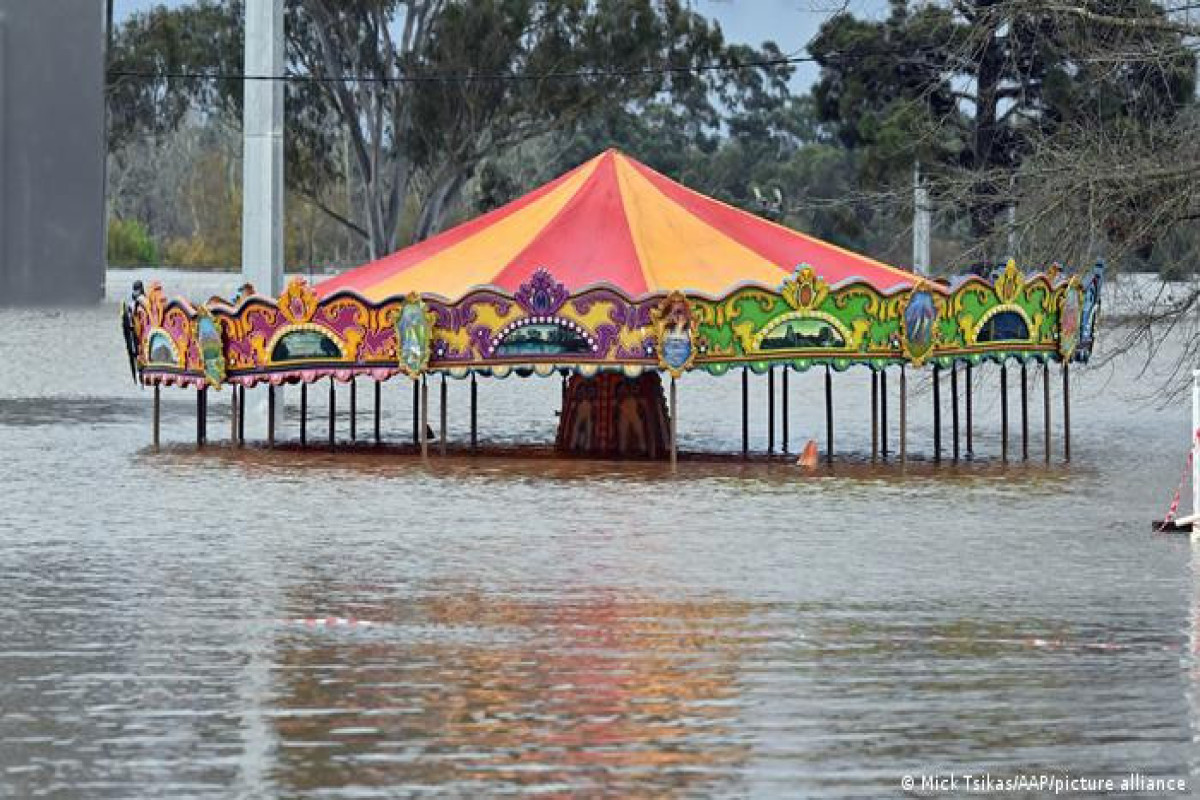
<point x="1004" y="412"/>
<point x="270" y="415"/>
<point x="828" y="414"/>
<point x="423" y="428"/>
<point x="883" y="426"/>
<point x="771" y="409"/>
<point x="937" y="413"/>
<point x="785" y="372"/>
<point x="199" y="417"/>
<point x="745" y="412"/>
<point x="674" y="414"/>
<point x="303" y="414"/>
<point x="378" y="403"/>
<point x="332" y="410"/>
<point x="1066" y="381"/>
<point x="233" y="414"/>
<point x="903" y="415"/>
<point x="474" y="413"/>
<point x="970" y="420"/>
<point x="1024" y="414"/>
<point x="157" y="413"/>
<point x="353" y="409"/>
<point x="416" y="405"/>
<point x="874" y="415"/>
<point x="954" y="405"/>
<point x="442" y="423"/>
<point x="241" y="414"/>
<point x="1046" y="405"/>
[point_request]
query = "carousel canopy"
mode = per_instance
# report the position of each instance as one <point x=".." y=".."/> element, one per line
<point x="611" y="220"/>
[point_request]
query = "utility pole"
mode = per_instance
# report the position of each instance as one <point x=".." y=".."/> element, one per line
<point x="262" y="160"/>
<point x="920" y="222"/>
<point x="262" y="148"/>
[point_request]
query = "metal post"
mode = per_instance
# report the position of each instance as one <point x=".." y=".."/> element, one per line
<point x="1046" y="405"/>
<point x="378" y="410"/>
<point x="785" y="372"/>
<point x="270" y="415"/>
<point x="874" y="414"/>
<point x="233" y="414"/>
<point x="474" y="414"/>
<point x="157" y="413"/>
<point x="937" y="413"/>
<point x="242" y="415"/>
<point x="674" y="413"/>
<point x="1024" y="415"/>
<point x="424" y="426"/>
<point x="416" y="411"/>
<point x="442" y="410"/>
<point x="303" y="414"/>
<point x="332" y="410"/>
<point x="745" y="412"/>
<point x="771" y="409"/>
<point x="1066" y="381"/>
<point x="954" y="406"/>
<point x="353" y="409"/>
<point x="199" y="417"/>
<point x="883" y="426"/>
<point x="970" y="418"/>
<point x="828" y="414"/>
<point x="903" y="415"/>
<point x="1004" y="412"/>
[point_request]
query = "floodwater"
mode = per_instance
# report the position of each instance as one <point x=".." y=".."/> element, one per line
<point x="576" y="628"/>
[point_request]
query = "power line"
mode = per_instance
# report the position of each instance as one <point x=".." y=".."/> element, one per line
<point x="668" y="69"/>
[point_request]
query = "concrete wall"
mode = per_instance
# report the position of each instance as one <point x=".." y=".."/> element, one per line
<point x="51" y="151"/>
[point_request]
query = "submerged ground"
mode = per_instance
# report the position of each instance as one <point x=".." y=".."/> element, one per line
<point x="574" y="626"/>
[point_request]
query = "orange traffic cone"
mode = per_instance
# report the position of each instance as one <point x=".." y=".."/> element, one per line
<point x="808" y="458"/>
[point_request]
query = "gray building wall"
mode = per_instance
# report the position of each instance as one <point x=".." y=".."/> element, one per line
<point x="51" y="151"/>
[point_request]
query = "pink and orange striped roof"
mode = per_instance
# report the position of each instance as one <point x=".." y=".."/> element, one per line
<point x="611" y="220"/>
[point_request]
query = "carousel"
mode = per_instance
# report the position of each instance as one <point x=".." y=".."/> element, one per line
<point x="615" y="277"/>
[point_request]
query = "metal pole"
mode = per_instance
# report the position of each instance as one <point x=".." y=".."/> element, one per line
<point x="442" y="410"/>
<point x="785" y="372"/>
<point x="199" y="417"/>
<point x="745" y="412"/>
<point x="1004" y="412"/>
<point x="270" y="415"/>
<point x="970" y="419"/>
<point x="157" y="413"/>
<point x="883" y="426"/>
<point x="332" y="410"/>
<point x="1066" y="381"/>
<point x="353" y="409"/>
<point x="242" y="414"/>
<point x="874" y="414"/>
<point x="674" y="412"/>
<point x="378" y="410"/>
<point x="233" y="414"/>
<point x="303" y="414"/>
<point x="828" y="414"/>
<point x="937" y="413"/>
<point x="771" y="409"/>
<point x="903" y="415"/>
<point x="416" y="411"/>
<point x="1024" y="415"/>
<point x="424" y="426"/>
<point x="262" y="147"/>
<point x="954" y="407"/>
<point x="1046" y="405"/>
<point x="474" y="414"/>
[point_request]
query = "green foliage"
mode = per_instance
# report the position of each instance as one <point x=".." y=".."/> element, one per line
<point x="129" y="243"/>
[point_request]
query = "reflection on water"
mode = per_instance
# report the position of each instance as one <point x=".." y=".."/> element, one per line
<point x="572" y="627"/>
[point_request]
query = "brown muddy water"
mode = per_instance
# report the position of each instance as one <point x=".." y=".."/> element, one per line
<point x="571" y="627"/>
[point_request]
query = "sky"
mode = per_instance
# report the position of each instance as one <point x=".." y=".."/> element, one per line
<point x="789" y="23"/>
